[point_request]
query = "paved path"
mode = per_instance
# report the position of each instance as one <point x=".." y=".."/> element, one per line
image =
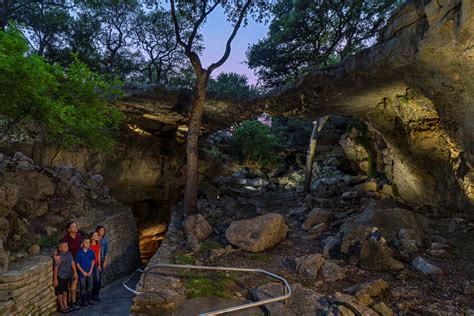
<point x="115" y="300"/>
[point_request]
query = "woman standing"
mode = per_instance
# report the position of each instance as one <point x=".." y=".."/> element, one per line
<point x="104" y="252"/>
<point x="95" y="246"/>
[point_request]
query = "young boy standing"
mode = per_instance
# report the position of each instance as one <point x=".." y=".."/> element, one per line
<point x="85" y="264"/>
<point x="62" y="273"/>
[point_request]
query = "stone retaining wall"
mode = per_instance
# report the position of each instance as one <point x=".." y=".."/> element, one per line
<point x="124" y="254"/>
<point x="27" y="288"/>
<point x="161" y="292"/>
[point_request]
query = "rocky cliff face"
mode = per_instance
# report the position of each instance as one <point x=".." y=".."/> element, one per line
<point x="36" y="202"/>
<point x="416" y="90"/>
<point x="141" y="166"/>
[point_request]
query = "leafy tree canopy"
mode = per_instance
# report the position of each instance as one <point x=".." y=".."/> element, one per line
<point x="232" y="85"/>
<point x="305" y="34"/>
<point x="70" y="104"/>
<point x="133" y="40"/>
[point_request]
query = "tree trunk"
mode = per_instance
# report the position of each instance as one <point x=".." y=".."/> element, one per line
<point x="192" y="140"/>
<point x="311" y="153"/>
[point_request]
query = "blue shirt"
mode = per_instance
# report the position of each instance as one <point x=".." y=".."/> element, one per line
<point x="104" y="247"/>
<point x="85" y="259"/>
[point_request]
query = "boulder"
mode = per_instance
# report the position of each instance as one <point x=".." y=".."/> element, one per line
<point x="8" y="197"/>
<point x="34" y="250"/>
<point x="23" y="163"/>
<point x="318" y="229"/>
<point x="424" y="266"/>
<point x="332" y="272"/>
<point x="372" y="289"/>
<point x="30" y="208"/>
<point x="332" y="247"/>
<point x="210" y="191"/>
<point x="309" y="266"/>
<point x="376" y="255"/>
<point x="317" y="216"/>
<point x="353" y="304"/>
<point x="196" y="225"/>
<point x="410" y="234"/>
<point x="259" y="233"/>
<point x="388" y="221"/>
<point x="339" y="310"/>
<point x="32" y="184"/>
<point x="304" y="301"/>
<point x="407" y="248"/>
<point x="383" y="309"/>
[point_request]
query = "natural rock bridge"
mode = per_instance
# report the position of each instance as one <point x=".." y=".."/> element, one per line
<point x="415" y="88"/>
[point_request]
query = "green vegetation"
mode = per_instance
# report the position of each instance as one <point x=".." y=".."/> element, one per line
<point x="257" y="256"/>
<point x="47" y="241"/>
<point x="70" y="104"/>
<point x="254" y="143"/>
<point x="184" y="259"/>
<point x="232" y="86"/>
<point x="207" y="286"/>
<point x="207" y="246"/>
<point x="213" y="152"/>
<point x="292" y="132"/>
<point x="308" y="34"/>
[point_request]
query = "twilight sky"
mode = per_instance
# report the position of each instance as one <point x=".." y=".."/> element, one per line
<point x="216" y="31"/>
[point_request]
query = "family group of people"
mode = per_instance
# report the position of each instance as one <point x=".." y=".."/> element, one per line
<point x="79" y="262"/>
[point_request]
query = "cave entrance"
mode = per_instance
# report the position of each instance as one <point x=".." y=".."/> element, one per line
<point x="152" y="220"/>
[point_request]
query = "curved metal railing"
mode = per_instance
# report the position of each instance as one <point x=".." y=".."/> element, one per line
<point x="287" y="289"/>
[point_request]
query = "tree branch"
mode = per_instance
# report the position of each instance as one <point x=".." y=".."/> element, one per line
<point x="230" y="39"/>
<point x="176" y="25"/>
<point x="193" y="57"/>
<point x="198" y="23"/>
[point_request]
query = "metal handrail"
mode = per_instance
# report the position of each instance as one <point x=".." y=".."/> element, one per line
<point x="287" y="289"/>
<point x="124" y="283"/>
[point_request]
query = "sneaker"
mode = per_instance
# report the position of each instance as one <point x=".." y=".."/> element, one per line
<point x="84" y="304"/>
<point x="74" y="306"/>
<point x="91" y="302"/>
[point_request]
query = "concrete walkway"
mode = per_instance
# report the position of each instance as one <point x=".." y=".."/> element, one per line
<point x="115" y="300"/>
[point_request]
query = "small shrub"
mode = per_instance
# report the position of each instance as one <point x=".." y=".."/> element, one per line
<point x="254" y="142"/>
<point x="207" y="286"/>
<point x="184" y="259"/>
<point x="214" y="152"/>
<point x="47" y="241"/>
